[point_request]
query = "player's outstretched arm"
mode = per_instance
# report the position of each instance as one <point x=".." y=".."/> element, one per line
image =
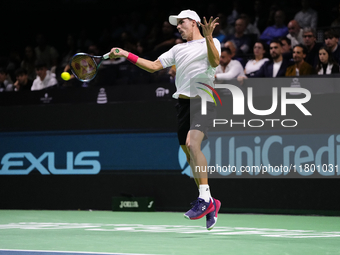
<point x="207" y="29"/>
<point x="147" y="65"/>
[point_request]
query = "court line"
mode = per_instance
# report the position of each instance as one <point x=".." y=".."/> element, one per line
<point x="9" y="252"/>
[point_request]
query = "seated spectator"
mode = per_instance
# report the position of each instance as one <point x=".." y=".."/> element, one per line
<point x="46" y="53"/>
<point x="45" y="78"/>
<point x="279" y="29"/>
<point x="287" y="51"/>
<point x="295" y="33"/>
<point x="218" y="33"/>
<point x="167" y="38"/>
<point x="23" y="82"/>
<point x="5" y="82"/>
<point x="309" y="41"/>
<point x="237" y="6"/>
<point x="28" y="63"/>
<point x="241" y="40"/>
<point x="331" y="41"/>
<point x="277" y="66"/>
<point x="259" y="18"/>
<point x="307" y="17"/>
<point x="259" y="59"/>
<point x="228" y="68"/>
<point x="300" y="67"/>
<point x="336" y="21"/>
<point x="231" y="45"/>
<point x="326" y="63"/>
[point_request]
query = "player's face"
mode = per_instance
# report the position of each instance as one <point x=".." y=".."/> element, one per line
<point x="298" y="54"/>
<point x="185" y="28"/>
<point x="323" y="56"/>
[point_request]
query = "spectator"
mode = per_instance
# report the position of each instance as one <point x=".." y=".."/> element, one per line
<point x="300" y="67"/>
<point x="259" y="59"/>
<point x="250" y="28"/>
<point x="279" y="29"/>
<point x="287" y="51"/>
<point x="23" y="82"/>
<point x="331" y="41"/>
<point x="228" y="68"/>
<point x="231" y="19"/>
<point x="307" y="17"/>
<point x="336" y="21"/>
<point x="232" y="46"/>
<point x="240" y="39"/>
<point x="295" y="33"/>
<point x="28" y="63"/>
<point x="259" y="20"/>
<point x="5" y="82"/>
<point x="69" y="52"/>
<point x="46" y="53"/>
<point x="277" y="66"/>
<point x="135" y="27"/>
<point x="219" y="34"/>
<point x="326" y="63"/>
<point x="45" y="78"/>
<point x="309" y="41"/>
<point x="167" y="38"/>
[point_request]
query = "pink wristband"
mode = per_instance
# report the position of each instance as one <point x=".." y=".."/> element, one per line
<point x="132" y="58"/>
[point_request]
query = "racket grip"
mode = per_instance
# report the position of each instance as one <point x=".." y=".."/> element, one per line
<point x="106" y="56"/>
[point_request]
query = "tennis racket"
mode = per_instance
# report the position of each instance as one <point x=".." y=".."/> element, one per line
<point x="85" y="67"/>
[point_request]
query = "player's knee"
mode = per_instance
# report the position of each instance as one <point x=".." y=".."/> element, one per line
<point x="193" y="147"/>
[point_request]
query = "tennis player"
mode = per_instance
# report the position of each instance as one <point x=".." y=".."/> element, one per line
<point x="197" y="58"/>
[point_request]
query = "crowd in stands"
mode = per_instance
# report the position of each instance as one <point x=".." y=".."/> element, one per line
<point x="262" y="42"/>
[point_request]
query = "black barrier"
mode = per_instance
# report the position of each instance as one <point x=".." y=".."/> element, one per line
<point x="71" y="112"/>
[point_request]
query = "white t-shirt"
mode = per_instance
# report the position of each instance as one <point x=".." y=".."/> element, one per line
<point x="232" y="71"/>
<point x="191" y="60"/>
<point x="276" y="68"/>
<point x="252" y="65"/>
<point x="49" y="81"/>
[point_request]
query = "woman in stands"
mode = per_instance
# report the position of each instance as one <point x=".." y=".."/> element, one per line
<point x="326" y="62"/>
<point x="255" y="64"/>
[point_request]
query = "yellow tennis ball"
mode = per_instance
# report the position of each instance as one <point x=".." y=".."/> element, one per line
<point x="66" y="76"/>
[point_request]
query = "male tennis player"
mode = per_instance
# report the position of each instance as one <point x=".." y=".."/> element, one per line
<point x="197" y="58"/>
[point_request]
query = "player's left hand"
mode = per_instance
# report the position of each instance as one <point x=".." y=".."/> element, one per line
<point x="208" y="27"/>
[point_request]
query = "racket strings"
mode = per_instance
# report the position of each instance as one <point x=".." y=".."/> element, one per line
<point x="84" y="67"/>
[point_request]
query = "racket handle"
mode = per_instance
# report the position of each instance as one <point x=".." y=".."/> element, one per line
<point x="106" y="56"/>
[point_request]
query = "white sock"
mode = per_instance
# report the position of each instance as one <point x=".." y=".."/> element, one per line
<point x="204" y="192"/>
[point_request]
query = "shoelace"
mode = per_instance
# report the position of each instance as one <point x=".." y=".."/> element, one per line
<point x="195" y="204"/>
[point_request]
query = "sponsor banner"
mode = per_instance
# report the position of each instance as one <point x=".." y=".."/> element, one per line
<point x="70" y="153"/>
<point x="270" y="156"/>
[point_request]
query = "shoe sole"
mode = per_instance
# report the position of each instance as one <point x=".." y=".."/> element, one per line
<point x="218" y="206"/>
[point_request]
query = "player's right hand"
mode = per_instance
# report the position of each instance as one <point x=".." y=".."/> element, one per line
<point x="118" y="53"/>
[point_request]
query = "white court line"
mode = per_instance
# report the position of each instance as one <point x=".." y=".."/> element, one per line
<point x="77" y="252"/>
